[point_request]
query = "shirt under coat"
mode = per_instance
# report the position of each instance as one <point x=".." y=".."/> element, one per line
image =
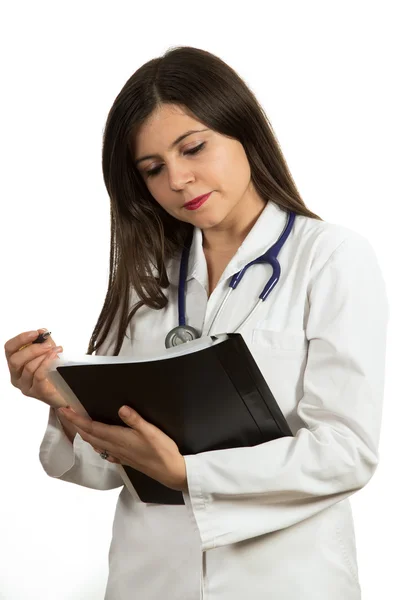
<point x="273" y="520"/>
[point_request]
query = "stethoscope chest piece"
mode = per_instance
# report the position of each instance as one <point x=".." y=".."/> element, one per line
<point x="180" y="335"/>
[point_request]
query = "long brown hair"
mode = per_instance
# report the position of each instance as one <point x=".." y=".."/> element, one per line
<point x="143" y="234"/>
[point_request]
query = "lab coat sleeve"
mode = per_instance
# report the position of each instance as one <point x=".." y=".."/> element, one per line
<point x="239" y="493"/>
<point x="78" y="462"/>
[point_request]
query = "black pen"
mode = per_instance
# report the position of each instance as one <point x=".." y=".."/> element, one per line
<point x="39" y="340"/>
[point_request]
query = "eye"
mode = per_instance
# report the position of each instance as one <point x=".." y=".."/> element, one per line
<point x="157" y="170"/>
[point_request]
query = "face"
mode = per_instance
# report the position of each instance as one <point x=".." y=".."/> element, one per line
<point x="200" y="163"/>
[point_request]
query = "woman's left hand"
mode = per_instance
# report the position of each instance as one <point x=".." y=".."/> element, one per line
<point x="142" y="446"/>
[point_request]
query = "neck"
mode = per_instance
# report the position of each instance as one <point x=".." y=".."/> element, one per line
<point x="228" y="236"/>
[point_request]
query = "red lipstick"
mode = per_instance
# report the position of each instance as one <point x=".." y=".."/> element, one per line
<point x="196" y="202"/>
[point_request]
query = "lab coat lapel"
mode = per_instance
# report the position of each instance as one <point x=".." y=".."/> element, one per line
<point x="197" y="265"/>
<point x="262" y="236"/>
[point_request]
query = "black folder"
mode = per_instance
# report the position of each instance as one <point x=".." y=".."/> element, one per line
<point x="208" y="394"/>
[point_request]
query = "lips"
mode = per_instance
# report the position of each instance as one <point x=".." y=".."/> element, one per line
<point x="196" y="202"/>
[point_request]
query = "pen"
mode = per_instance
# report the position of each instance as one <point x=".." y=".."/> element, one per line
<point x="39" y="340"/>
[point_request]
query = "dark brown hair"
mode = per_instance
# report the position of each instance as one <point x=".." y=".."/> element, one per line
<point x="143" y="234"/>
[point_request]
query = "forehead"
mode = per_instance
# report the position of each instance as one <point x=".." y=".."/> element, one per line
<point x="162" y="126"/>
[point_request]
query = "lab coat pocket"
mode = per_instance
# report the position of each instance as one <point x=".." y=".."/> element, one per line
<point x="279" y="341"/>
<point x="281" y="357"/>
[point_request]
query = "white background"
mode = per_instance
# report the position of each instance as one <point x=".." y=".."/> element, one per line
<point x="327" y="74"/>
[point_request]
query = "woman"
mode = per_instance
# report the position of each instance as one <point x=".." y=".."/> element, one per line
<point x="268" y="521"/>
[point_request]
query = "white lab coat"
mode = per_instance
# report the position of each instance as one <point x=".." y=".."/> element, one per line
<point x="274" y="520"/>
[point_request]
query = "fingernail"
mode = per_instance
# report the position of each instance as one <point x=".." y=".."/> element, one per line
<point x="53" y="353"/>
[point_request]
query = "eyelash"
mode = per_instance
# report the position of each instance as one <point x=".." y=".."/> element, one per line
<point x="157" y="170"/>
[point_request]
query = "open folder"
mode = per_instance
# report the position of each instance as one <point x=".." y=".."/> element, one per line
<point x="207" y="394"/>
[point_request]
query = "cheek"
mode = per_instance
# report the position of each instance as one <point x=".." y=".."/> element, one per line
<point x="172" y="209"/>
<point x="220" y="167"/>
<point x="232" y="170"/>
<point x="159" y="191"/>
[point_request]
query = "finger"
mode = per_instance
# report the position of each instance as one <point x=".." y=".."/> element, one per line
<point x="24" y="377"/>
<point x="112" y="438"/>
<point x="13" y="344"/>
<point x="37" y="370"/>
<point x="100" y="444"/>
<point x="130" y="417"/>
<point x="18" y="361"/>
<point x="109" y="458"/>
<point x="94" y="441"/>
<point x="27" y="337"/>
<point x="98" y="450"/>
<point x="95" y="429"/>
<point x="22" y="345"/>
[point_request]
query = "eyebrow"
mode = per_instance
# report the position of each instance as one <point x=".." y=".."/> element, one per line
<point x="175" y="143"/>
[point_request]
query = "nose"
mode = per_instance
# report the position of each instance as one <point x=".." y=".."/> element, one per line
<point x="179" y="176"/>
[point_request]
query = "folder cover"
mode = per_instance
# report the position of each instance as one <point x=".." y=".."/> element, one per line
<point x="207" y="394"/>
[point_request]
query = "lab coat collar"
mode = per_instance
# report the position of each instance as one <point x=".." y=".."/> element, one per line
<point x="262" y="236"/>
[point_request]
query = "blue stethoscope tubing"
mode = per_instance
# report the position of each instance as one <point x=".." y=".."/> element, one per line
<point x="270" y="257"/>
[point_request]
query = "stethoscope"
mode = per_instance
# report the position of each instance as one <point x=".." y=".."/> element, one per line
<point x="184" y="333"/>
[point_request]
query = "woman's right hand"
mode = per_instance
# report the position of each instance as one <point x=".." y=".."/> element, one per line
<point x="29" y="367"/>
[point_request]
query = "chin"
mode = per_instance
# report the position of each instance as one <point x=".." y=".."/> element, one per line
<point x="205" y="218"/>
<point x="205" y="221"/>
<point x="207" y="224"/>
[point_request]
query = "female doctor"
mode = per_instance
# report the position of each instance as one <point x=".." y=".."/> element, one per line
<point x="190" y="160"/>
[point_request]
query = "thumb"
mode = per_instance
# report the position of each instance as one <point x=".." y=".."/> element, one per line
<point x="130" y="416"/>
